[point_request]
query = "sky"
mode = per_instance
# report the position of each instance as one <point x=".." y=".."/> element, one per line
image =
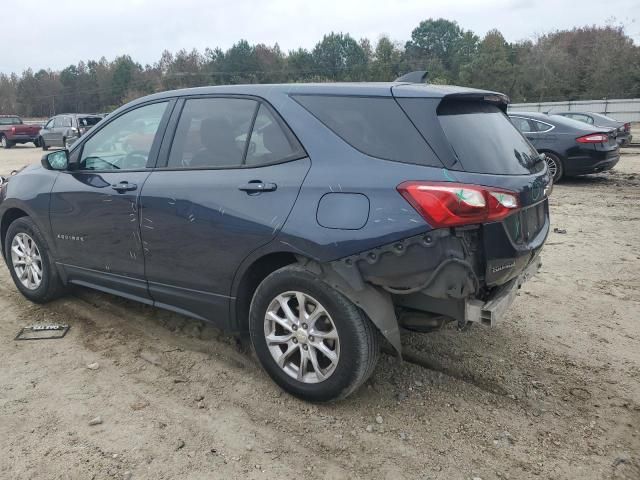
<point x="59" y="33"/>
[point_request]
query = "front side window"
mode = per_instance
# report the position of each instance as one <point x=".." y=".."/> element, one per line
<point x="66" y="121"/>
<point x="124" y="143"/>
<point x="49" y="124"/>
<point x="212" y="133"/>
<point x="57" y="122"/>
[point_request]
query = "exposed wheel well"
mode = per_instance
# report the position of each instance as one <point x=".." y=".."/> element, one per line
<point x="252" y="277"/>
<point x="546" y="150"/>
<point x="8" y="218"/>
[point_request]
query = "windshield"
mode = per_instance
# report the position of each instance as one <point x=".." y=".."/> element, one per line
<point x="485" y="140"/>
<point x="10" y="121"/>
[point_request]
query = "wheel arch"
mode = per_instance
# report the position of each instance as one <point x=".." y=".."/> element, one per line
<point x="10" y="216"/>
<point x="247" y="280"/>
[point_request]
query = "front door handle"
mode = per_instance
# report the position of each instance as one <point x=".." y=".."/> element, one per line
<point x="124" y="187"/>
<point x="257" y="186"/>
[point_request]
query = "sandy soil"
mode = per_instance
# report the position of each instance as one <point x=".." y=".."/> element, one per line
<point x="553" y="392"/>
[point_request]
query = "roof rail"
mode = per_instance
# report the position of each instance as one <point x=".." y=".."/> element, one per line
<point x="419" y="76"/>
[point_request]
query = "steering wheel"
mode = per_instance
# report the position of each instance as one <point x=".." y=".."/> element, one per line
<point x="135" y="159"/>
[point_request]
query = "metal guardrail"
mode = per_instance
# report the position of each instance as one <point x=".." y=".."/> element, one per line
<point x="624" y="110"/>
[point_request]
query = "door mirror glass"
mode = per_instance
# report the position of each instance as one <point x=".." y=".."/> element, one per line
<point x="58" y="160"/>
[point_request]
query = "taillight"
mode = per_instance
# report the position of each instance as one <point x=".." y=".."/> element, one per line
<point x="627" y="127"/>
<point x="593" y="138"/>
<point x="13" y="130"/>
<point x="455" y="204"/>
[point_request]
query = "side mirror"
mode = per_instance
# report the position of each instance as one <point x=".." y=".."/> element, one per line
<point x="58" y="160"/>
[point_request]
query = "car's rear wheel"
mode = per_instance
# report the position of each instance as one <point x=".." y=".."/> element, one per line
<point x="30" y="264"/>
<point x="310" y="338"/>
<point x="5" y="143"/>
<point x="555" y="166"/>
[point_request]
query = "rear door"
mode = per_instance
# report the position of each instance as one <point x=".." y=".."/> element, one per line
<point x="224" y="186"/>
<point x="94" y="207"/>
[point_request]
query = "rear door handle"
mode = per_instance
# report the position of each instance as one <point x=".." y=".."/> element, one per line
<point x="124" y="187"/>
<point x="257" y="186"/>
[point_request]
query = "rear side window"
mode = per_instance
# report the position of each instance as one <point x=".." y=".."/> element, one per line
<point x="376" y="126"/>
<point x="212" y="133"/>
<point x="88" y="121"/>
<point x="10" y="121"/>
<point x="271" y="141"/>
<point x="522" y="124"/>
<point x="485" y="141"/>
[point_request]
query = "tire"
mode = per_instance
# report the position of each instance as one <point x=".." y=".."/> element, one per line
<point x="43" y="144"/>
<point x="36" y="142"/>
<point x="6" y="143"/>
<point x="554" y="164"/>
<point x="355" y="342"/>
<point x="64" y="143"/>
<point x="50" y="285"/>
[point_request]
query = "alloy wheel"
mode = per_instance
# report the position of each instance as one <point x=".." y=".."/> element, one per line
<point x="302" y="337"/>
<point x="27" y="261"/>
<point x="552" y="165"/>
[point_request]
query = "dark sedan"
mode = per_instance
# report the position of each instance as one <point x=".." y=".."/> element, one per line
<point x="571" y="147"/>
<point x="623" y="130"/>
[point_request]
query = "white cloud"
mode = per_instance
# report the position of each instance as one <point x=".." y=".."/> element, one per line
<point x="57" y="34"/>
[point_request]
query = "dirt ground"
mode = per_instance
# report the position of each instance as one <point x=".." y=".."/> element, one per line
<point x="553" y="392"/>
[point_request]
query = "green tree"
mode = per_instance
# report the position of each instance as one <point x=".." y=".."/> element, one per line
<point x="387" y="58"/>
<point x="340" y="57"/>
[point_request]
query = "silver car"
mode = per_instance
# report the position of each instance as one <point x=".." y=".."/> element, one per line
<point x="63" y="130"/>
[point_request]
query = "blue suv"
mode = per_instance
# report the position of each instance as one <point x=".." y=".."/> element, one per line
<point x="320" y="219"/>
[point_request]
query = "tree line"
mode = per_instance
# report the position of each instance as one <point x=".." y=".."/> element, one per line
<point x="583" y="63"/>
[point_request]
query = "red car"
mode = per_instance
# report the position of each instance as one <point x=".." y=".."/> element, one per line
<point x="13" y="130"/>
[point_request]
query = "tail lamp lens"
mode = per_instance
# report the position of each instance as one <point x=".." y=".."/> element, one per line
<point x="456" y="204"/>
<point x="593" y="138"/>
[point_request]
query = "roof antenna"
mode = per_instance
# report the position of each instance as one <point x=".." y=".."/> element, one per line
<point x="419" y="76"/>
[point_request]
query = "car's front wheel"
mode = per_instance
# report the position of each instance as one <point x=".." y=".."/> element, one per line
<point x="309" y="337"/>
<point x="30" y="264"/>
<point x="43" y="144"/>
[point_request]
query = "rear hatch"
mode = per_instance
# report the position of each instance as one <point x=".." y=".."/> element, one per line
<point x="485" y="156"/>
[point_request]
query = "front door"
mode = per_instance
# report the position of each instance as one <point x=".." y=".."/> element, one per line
<point x="224" y="189"/>
<point x="94" y="206"/>
<point x="47" y="132"/>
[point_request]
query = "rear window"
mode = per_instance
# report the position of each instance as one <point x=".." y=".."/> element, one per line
<point x="485" y="141"/>
<point x="375" y="126"/>
<point x="88" y="121"/>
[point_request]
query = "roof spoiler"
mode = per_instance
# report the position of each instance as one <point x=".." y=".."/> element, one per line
<point x="419" y="76"/>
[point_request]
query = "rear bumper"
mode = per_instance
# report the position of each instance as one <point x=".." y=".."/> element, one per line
<point x="22" y="138"/>
<point x="591" y="164"/>
<point x="624" y="140"/>
<point x="493" y="309"/>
